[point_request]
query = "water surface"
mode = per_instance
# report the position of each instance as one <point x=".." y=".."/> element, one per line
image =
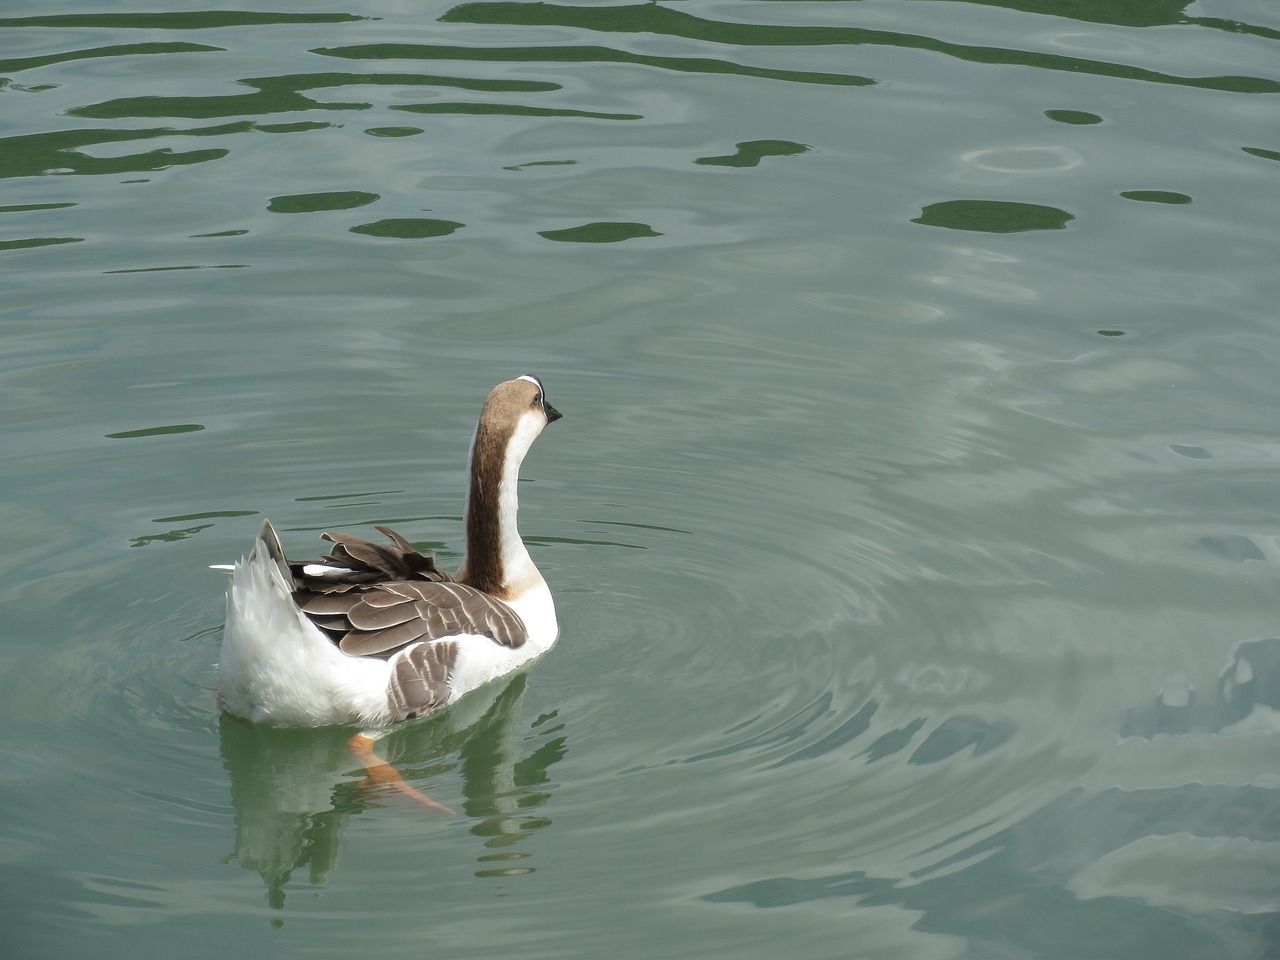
<point x="911" y="524"/>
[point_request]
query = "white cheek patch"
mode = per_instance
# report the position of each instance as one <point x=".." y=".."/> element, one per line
<point x="527" y="429"/>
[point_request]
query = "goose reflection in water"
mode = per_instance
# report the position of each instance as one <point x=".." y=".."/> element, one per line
<point x="294" y="790"/>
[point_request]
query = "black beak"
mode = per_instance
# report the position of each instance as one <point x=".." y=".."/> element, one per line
<point x="552" y="413"/>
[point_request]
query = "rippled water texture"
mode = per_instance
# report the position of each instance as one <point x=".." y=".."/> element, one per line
<point x="912" y="522"/>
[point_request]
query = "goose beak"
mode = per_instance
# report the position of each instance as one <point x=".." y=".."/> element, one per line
<point x="552" y="413"/>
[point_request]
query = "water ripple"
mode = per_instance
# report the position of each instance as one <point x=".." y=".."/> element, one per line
<point x="658" y="20"/>
<point x="918" y="570"/>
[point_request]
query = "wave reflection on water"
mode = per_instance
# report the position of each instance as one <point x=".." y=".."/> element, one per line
<point x="922" y="683"/>
<point x="290" y="103"/>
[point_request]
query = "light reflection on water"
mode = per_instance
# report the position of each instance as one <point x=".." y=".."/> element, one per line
<point x="910" y="524"/>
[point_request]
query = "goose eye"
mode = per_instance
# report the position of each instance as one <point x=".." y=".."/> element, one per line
<point x="537" y="399"/>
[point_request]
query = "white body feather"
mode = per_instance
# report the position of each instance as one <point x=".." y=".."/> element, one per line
<point x="276" y="667"/>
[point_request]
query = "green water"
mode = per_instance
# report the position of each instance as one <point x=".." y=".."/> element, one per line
<point x="912" y="523"/>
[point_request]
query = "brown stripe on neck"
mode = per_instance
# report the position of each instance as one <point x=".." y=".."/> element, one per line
<point x="483" y="568"/>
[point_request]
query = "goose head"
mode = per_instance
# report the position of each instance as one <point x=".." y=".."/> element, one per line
<point x="514" y="415"/>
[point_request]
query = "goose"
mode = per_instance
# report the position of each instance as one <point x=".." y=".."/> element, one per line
<point x="375" y="633"/>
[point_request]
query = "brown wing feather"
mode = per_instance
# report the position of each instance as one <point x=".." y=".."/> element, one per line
<point x="420" y="679"/>
<point x="384" y="642"/>
<point x="425" y="611"/>
<point x="367" y="562"/>
<point x="391" y="596"/>
<point x="364" y="615"/>
<point x="316" y="605"/>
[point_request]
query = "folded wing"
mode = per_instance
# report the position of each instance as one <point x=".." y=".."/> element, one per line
<point x="374" y="600"/>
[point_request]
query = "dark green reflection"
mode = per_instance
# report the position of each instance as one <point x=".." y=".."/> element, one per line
<point x="1078" y="117"/>
<point x="509" y="110"/>
<point x="24" y="207"/>
<point x="580" y="54"/>
<point x="541" y="163"/>
<point x="17" y="65"/>
<point x="200" y="20"/>
<point x="409" y="228"/>
<point x="1155" y="196"/>
<point x="660" y="20"/>
<point x="287" y="94"/>
<point x="751" y="152"/>
<point x="993" y="216"/>
<point x="1133" y="13"/>
<point x="347" y="496"/>
<point x="1264" y="154"/>
<point x="302" y="126"/>
<point x="317" y="202"/>
<point x="600" y="232"/>
<point x="957" y="733"/>
<point x="36" y="242"/>
<point x="582" y="541"/>
<point x="37" y="154"/>
<point x="394" y="131"/>
<point x="169" y="536"/>
<point x="1234" y="548"/>
<point x="206" y="515"/>
<point x="195" y="266"/>
<point x="156" y="432"/>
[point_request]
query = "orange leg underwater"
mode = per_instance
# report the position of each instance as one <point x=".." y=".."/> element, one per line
<point x="382" y="774"/>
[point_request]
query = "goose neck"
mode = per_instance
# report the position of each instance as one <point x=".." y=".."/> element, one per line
<point x="495" y="553"/>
